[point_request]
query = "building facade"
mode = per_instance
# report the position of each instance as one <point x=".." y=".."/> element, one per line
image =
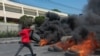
<point x="10" y="12"/>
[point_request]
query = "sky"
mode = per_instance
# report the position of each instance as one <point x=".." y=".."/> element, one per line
<point x="65" y="6"/>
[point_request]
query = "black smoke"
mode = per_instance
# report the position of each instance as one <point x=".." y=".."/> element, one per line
<point x="90" y="20"/>
<point x="54" y="27"/>
<point x="78" y="26"/>
<point x="94" y="6"/>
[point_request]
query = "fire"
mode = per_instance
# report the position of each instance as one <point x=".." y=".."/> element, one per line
<point x="87" y="46"/>
<point x="84" y="48"/>
<point x="68" y="43"/>
<point x="43" y="42"/>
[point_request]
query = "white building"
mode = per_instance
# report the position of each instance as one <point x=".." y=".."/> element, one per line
<point x="12" y="11"/>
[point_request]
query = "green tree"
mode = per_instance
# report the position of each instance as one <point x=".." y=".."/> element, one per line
<point x="39" y="20"/>
<point x="57" y="10"/>
<point x="26" y="21"/>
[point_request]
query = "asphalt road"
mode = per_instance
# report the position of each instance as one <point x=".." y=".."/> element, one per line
<point x="11" y="48"/>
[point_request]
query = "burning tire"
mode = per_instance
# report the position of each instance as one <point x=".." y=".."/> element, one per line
<point x="70" y="53"/>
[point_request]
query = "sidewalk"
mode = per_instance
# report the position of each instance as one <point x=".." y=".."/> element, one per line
<point x="9" y="40"/>
<point x="17" y="39"/>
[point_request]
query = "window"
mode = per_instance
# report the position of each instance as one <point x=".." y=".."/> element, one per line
<point x="41" y="13"/>
<point x="13" y="9"/>
<point x="1" y="19"/>
<point x="30" y="12"/>
<point x="1" y="6"/>
<point x="12" y="20"/>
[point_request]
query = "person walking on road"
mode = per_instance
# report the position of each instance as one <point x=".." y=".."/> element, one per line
<point x="25" y="40"/>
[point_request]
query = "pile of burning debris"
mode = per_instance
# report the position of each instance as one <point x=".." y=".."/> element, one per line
<point x="80" y="39"/>
<point x="82" y="31"/>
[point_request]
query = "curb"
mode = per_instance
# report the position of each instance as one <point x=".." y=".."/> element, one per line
<point x="9" y="40"/>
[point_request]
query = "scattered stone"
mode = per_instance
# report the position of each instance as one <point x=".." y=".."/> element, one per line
<point x="97" y="52"/>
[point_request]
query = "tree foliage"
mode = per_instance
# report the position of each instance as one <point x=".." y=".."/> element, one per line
<point x="26" y="21"/>
<point x="39" y="20"/>
<point x="57" y="10"/>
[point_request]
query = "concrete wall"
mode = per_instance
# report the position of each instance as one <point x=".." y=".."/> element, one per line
<point x="1" y="13"/>
<point x="9" y="27"/>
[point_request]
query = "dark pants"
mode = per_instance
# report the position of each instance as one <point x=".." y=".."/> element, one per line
<point x="25" y="45"/>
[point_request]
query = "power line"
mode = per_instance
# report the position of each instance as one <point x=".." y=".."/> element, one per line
<point x="56" y="3"/>
<point x="64" y="5"/>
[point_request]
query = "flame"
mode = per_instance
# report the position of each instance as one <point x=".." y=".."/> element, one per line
<point x="87" y="46"/>
<point x="43" y="42"/>
<point x="68" y="43"/>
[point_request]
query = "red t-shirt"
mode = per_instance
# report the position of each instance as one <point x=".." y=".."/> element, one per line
<point x="25" y="35"/>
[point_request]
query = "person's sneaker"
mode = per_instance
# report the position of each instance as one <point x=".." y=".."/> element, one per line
<point x="34" y="55"/>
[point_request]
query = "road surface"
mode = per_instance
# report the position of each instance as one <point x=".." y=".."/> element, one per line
<point x="11" y="48"/>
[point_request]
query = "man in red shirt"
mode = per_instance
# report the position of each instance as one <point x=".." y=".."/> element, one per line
<point x="25" y="40"/>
